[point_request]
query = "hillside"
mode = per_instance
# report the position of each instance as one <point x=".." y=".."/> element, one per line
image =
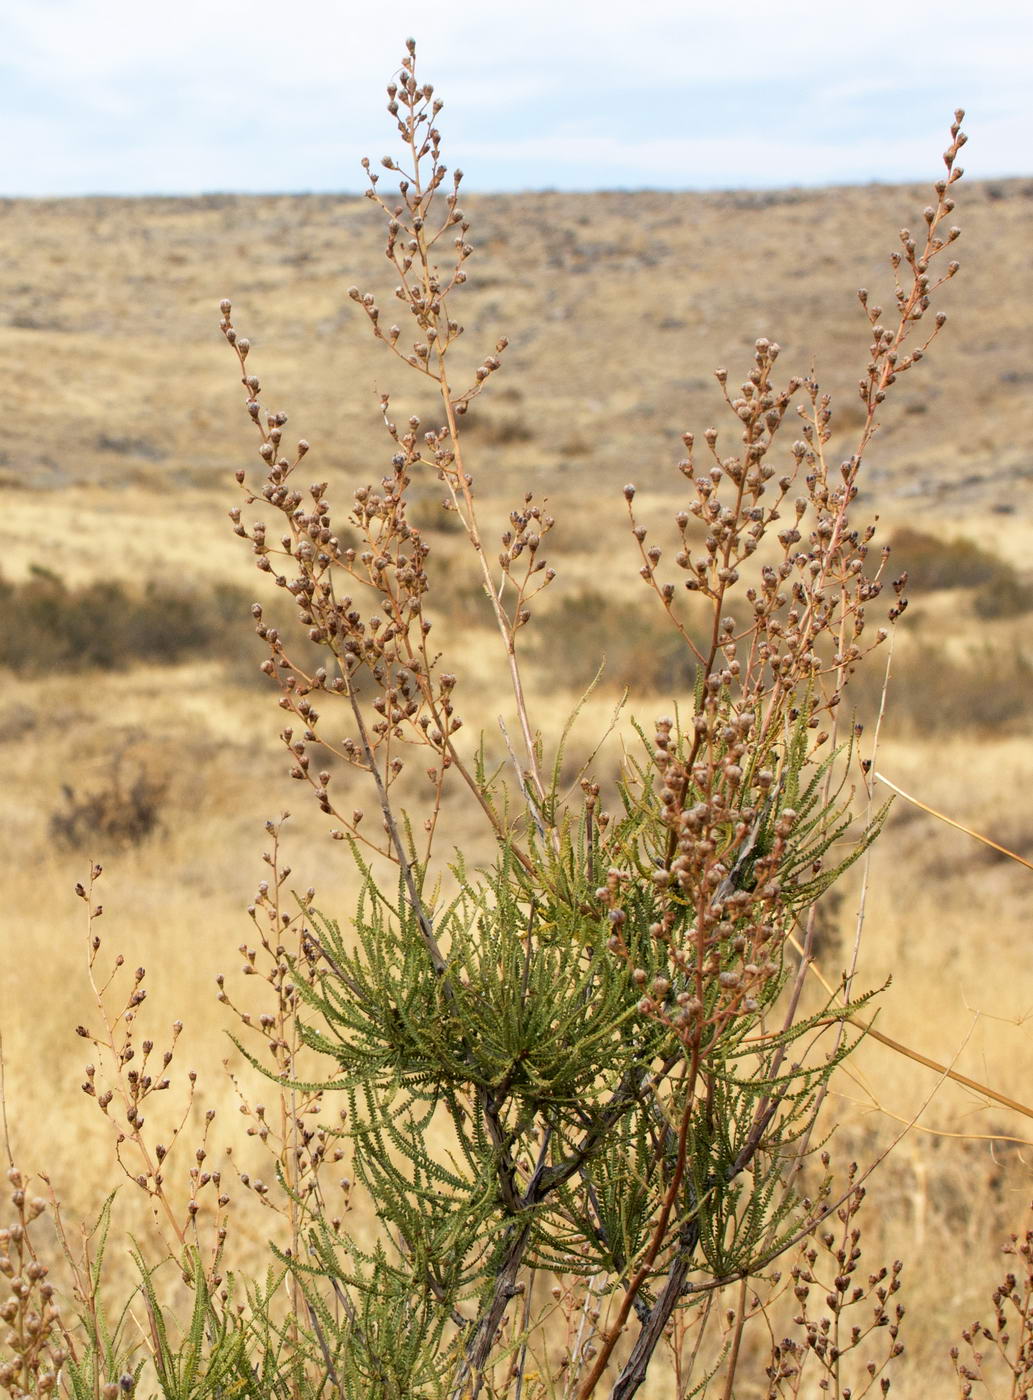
<point x="123" y="426"/>
<point x="618" y="308"/>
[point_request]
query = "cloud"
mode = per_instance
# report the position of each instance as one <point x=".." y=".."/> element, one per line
<point x="121" y="96"/>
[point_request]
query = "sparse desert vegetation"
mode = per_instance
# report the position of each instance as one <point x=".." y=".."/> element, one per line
<point x="137" y="733"/>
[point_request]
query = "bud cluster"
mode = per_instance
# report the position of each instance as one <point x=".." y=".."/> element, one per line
<point x="422" y="219"/>
<point x="376" y="630"/>
<point x="129" y="1072"/>
<point x="828" y="1266"/>
<point x="287" y="952"/>
<point x="887" y="357"/>
<point x="722" y="911"/>
<point x="360" y="592"/>
<point x="774" y="613"/>
<point x="1003" y="1347"/>
<point x="34" y="1344"/>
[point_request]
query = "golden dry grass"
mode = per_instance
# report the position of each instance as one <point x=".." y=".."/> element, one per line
<point x="124" y="427"/>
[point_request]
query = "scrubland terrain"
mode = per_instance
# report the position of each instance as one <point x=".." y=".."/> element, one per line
<point x="123" y="427"/>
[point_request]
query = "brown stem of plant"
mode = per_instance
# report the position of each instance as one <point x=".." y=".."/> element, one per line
<point x="504" y="625"/>
<point x="437" y="958"/>
<point x="612" y="1334"/>
<point x="945" y="1070"/>
<point x="469" y="1378"/>
<point x="636" y="1367"/>
<point x="733" y="1355"/>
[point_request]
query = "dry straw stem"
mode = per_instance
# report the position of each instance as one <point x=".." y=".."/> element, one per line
<point x="959" y="826"/>
<point x="870" y="1030"/>
<point x="127" y="1084"/>
<point x="1003" y="1099"/>
<point x="867" y="1026"/>
<point x="944" y="1070"/>
<point x="842" y="996"/>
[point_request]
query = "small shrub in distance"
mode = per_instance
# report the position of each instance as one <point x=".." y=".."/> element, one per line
<point x="104" y="625"/>
<point x="933" y="564"/>
<point x="501" y="431"/>
<point x="124" y="810"/>
<point x="1007" y="595"/>
<point x="626" y="645"/>
<point x="637" y="650"/>
<point x="933" y="692"/>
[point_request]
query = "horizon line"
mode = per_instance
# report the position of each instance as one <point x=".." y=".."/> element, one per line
<point x="336" y="193"/>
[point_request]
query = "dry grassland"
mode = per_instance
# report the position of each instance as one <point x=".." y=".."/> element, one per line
<point x="122" y="430"/>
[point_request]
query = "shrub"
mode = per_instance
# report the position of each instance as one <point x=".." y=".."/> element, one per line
<point x="502" y="431"/>
<point x="122" y="811"/>
<point x="591" y="1019"/>
<point x="104" y="625"/>
<point x="631" y="642"/>
<point x="932" y="692"/>
<point x="933" y="563"/>
<point x="1006" y="595"/>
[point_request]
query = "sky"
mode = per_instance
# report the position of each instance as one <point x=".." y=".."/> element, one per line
<point x="138" y="97"/>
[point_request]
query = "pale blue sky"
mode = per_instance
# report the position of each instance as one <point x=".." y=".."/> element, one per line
<point x="136" y="96"/>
